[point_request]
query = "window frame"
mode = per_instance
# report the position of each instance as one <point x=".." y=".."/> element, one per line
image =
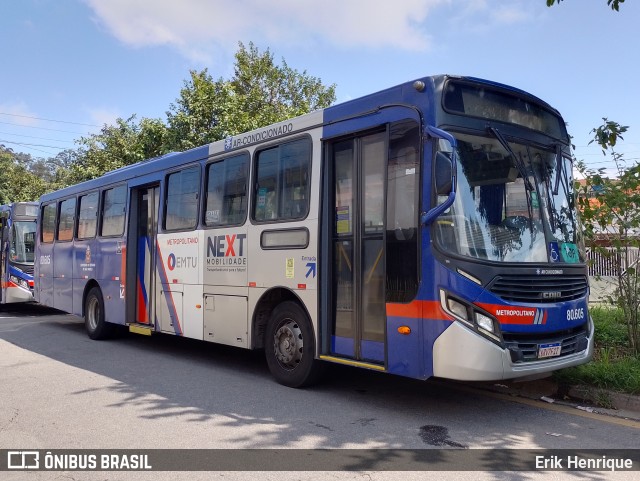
<point x="102" y="203"/>
<point x="205" y="196"/>
<point x="55" y="222"/>
<point x="59" y="219"/>
<point x="279" y="180"/>
<point x="79" y="212"/>
<point x="165" y="198"/>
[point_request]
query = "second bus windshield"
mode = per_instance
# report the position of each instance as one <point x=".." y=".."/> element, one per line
<point x="22" y="246"/>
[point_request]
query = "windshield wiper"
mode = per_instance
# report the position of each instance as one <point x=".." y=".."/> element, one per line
<point x="516" y="160"/>
<point x="559" y="161"/>
<point x="549" y="200"/>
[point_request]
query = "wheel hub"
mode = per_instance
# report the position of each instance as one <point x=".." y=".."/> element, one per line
<point x="288" y="344"/>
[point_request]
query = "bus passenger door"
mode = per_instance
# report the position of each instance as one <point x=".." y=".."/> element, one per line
<point x="357" y="255"/>
<point x="141" y="254"/>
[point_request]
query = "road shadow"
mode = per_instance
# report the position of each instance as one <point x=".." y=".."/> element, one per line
<point x="203" y="382"/>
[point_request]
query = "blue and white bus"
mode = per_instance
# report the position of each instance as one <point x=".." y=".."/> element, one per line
<point x="17" y="243"/>
<point x="429" y="229"/>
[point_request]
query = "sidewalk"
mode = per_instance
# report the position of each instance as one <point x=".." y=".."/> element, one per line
<point x="586" y="398"/>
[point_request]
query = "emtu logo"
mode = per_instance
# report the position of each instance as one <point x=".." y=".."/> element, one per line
<point x="181" y="262"/>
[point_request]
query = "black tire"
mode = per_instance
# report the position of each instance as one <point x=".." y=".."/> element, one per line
<point x="97" y="328"/>
<point x="290" y="346"/>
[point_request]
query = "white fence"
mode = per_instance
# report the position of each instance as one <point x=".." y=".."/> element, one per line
<point x="606" y="263"/>
<point x="603" y="270"/>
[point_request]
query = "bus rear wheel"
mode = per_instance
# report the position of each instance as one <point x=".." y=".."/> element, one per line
<point x="97" y="327"/>
<point x="290" y="346"/>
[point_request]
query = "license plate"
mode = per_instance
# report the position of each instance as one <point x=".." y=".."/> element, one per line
<point x="549" y="350"/>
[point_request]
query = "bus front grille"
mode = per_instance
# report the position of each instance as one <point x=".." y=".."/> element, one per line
<point x="26" y="268"/>
<point x="544" y="289"/>
<point x="524" y="347"/>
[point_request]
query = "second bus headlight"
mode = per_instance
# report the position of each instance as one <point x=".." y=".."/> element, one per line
<point x="19" y="282"/>
<point x="484" y="322"/>
<point x="470" y="314"/>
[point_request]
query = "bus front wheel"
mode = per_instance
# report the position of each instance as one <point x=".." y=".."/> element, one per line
<point x="97" y="327"/>
<point x="290" y="346"/>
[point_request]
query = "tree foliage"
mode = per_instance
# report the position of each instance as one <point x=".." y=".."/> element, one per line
<point x="270" y="93"/>
<point x="20" y="178"/>
<point x="115" y="146"/>
<point x="610" y="208"/>
<point x="614" y="4"/>
<point x="259" y="93"/>
<point x="199" y="115"/>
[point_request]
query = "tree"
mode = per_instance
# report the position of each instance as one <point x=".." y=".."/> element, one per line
<point x="613" y="216"/>
<point x="269" y="93"/>
<point x="116" y="146"/>
<point x="17" y="182"/>
<point x="199" y="115"/>
<point x="260" y="93"/>
<point x="614" y="4"/>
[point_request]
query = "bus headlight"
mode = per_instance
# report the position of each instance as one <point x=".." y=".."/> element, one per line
<point x="484" y="322"/>
<point x="457" y="308"/>
<point x="19" y="282"/>
<point x="480" y="321"/>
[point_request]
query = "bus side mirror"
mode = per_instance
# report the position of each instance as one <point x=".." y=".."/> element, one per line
<point x="443" y="174"/>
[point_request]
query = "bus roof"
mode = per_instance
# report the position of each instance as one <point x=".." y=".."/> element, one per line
<point x="11" y="207"/>
<point x="402" y="93"/>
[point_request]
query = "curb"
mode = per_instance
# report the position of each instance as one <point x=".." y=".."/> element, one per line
<point x="606" y="398"/>
<point x="585" y="398"/>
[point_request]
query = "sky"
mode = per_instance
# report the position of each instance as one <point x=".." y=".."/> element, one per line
<point x="70" y="66"/>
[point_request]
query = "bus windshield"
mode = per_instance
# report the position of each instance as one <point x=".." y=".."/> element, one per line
<point x="22" y="246"/>
<point x="514" y="203"/>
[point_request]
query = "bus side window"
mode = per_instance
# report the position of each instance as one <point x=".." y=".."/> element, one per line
<point x="48" y="223"/>
<point x="88" y="217"/>
<point x="226" y="202"/>
<point x="181" y="207"/>
<point x="403" y="200"/>
<point x="113" y="210"/>
<point x="67" y="219"/>
<point x="295" y="172"/>
<point x="282" y="182"/>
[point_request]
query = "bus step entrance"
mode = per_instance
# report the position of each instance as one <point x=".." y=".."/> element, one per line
<point x="351" y="362"/>
<point x="143" y="329"/>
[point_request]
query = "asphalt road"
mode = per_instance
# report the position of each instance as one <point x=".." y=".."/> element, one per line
<point x="60" y="390"/>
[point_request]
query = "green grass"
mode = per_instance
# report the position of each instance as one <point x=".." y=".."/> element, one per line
<point x="611" y="330"/>
<point x="614" y="366"/>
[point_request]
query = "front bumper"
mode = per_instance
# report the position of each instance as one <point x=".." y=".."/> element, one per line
<point x="461" y="354"/>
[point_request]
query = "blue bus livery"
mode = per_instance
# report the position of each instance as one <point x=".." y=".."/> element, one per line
<point x="429" y="229"/>
<point x="17" y="234"/>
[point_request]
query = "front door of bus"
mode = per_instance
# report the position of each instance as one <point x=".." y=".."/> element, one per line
<point x="145" y="205"/>
<point x="357" y="247"/>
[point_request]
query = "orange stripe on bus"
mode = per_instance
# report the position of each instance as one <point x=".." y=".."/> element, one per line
<point x="418" y="310"/>
<point x="123" y="266"/>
